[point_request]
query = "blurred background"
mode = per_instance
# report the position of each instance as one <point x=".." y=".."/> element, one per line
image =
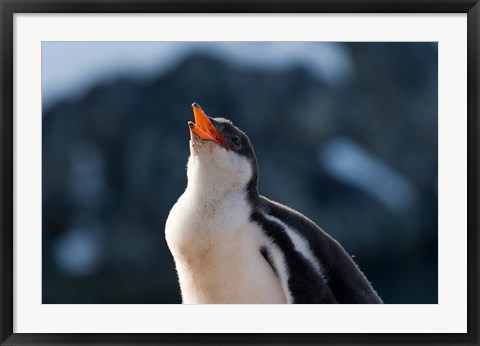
<point x="346" y="133"/>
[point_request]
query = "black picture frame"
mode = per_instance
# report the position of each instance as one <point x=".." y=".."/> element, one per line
<point x="7" y="10"/>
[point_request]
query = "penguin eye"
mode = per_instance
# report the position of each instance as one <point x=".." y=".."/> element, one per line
<point x="236" y="141"/>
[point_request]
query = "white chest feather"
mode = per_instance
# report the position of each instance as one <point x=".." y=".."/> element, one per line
<point x="216" y="251"/>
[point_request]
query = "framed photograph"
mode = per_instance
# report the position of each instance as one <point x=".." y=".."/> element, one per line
<point x="239" y="172"/>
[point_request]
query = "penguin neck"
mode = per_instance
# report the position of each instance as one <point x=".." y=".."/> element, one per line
<point x="209" y="185"/>
<point x="207" y="189"/>
<point x="252" y="189"/>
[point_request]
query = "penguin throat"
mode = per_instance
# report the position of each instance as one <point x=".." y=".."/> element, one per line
<point x="218" y="174"/>
<point x="207" y="188"/>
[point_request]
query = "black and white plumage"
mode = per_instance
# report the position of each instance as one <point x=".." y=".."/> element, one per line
<point x="232" y="245"/>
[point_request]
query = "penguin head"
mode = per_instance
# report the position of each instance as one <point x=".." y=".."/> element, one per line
<point x="221" y="155"/>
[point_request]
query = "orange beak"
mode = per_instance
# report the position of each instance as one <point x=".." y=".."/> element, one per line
<point x="203" y="126"/>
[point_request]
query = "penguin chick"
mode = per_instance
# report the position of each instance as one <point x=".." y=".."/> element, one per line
<point x="232" y="245"/>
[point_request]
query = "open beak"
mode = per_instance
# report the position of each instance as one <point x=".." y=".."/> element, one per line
<point x="203" y="126"/>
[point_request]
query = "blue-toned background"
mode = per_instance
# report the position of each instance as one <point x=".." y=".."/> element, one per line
<point x="346" y="133"/>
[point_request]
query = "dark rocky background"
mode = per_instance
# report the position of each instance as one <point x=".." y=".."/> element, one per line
<point x="359" y="159"/>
